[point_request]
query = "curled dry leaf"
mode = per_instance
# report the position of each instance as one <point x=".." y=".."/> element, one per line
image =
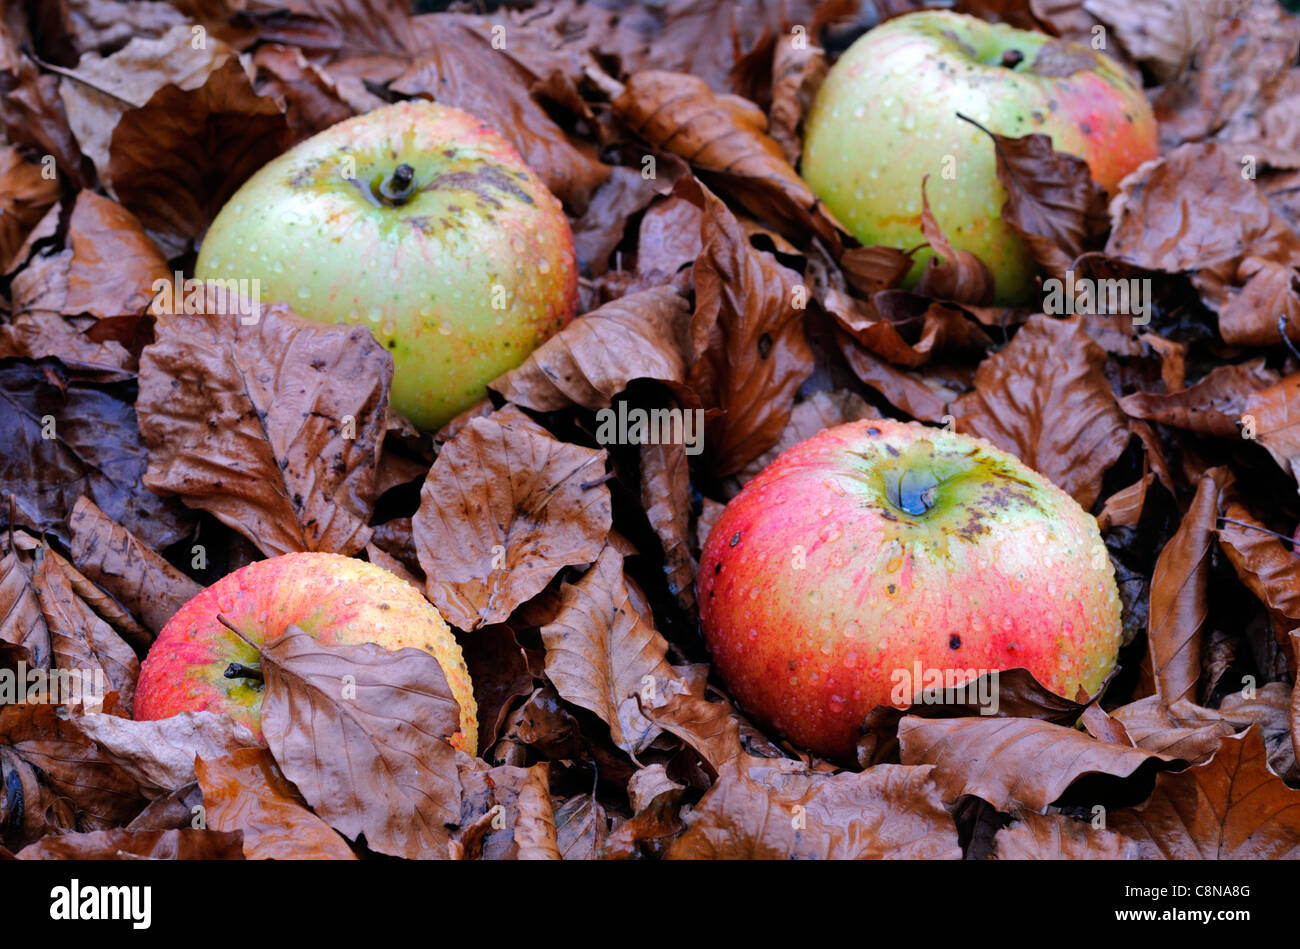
<point x="747" y="335"/>
<point x="665" y="497"/>
<point x="1180" y="594"/>
<point x="370" y="754"/>
<point x="535" y="826"/>
<point x="245" y="791"/>
<point x="1016" y="763"/>
<point x="1213" y="405"/>
<point x="177" y="159"/>
<point x="798" y="69"/>
<point x="643" y="335"/>
<point x="1269" y="290"/>
<point x="137" y="577"/>
<point x="185" y="844"/>
<point x="1056" y="837"/>
<point x="271" y="423"/>
<point x="725" y="138"/>
<point x="774" y="809"/>
<point x="1230" y="808"/>
<point x="114" y="264"/>
<point x="93" y="448"/>
<point x="1046" y="400"/>
<point x="1161" y="34"/>
<point x="504" y="508"/>
<point x="921" y="398"/>
<point x="503" y="816"/>
<point x="956" y="275"/>
<point x="581" y="828"/>
<point x="602" y="654"/>
<point x="1124" y="507"/>
<point x="160" y="754"/>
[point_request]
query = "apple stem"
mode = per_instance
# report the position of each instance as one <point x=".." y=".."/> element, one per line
<point x="397" y="188"/>
<point x="237" y="670"/>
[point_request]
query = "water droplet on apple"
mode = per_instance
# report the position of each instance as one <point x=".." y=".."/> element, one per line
<point x="824" y="510"/>
<point x="304" y="292"/>
<point x="860" y="112"/>
<point x="830" y="533"/>
<point x="374" y="314"/>
<point x="444" y="328"/>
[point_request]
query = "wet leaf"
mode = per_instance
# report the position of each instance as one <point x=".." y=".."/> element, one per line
<point x="504" y="508"/>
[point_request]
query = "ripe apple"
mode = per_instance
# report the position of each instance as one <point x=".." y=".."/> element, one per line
<point x="420" y="222"/>
<point x="197" y="663"/>
<point x="887" y="116"/>
<point x="877" y="545"/>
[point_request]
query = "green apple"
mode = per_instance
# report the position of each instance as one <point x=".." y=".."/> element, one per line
<point x="420" y="222"/>
<point x="887" y="116"/>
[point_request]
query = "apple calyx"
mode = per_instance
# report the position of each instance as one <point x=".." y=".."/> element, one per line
<point x="1012" y="58"/>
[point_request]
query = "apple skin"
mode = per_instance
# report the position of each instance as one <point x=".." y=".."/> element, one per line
<point x="421" y="275"/>
<point x="338" y="600"/>
<point x="886" y="117"/>
<point x="1003" y="570"/>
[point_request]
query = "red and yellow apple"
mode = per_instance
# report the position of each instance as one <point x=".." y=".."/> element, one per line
<point x="887" y="116"/>
<point x="877" y="545"/>
<point x="199" y="664"/>
<point x="420" y="222"/>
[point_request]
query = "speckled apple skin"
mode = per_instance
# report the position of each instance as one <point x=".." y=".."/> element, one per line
<point x="814" y="586"/>
<point x="338" y="600"/>
<point x="886" y="117"/>
<point x="423" y="277"/>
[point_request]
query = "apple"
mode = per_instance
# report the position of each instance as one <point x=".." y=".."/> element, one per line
<point x="420" y="222"/>
<point x="198" y="664"/>
<point x="887" y="116"/>
<point x="877" y="548"/>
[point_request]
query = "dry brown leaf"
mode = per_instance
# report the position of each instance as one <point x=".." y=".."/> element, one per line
<point x="750" y="354"/>
<point x="1052" y="201"/>
<point x="363" y="734"/>
<point x="640" y="336"/>
<point x="1180" y="595"/>
<point x="81" y="643"/>
<point x="1015" y="763"/>
<point x="1153" y="725"/>
<point x="1270" y="291"/>
<point x="25" y="195"/>
<point x="724" y="137"/>
<point x="1272" y="415"/>
<point x="602" y="654"/>
<point x="774" y="809"/>
<point x="1212" y="405"/>
<point x="1055" y="837"/>
<point x="160" y="754"/>
<point x="504" y="508"/>
<point x="274" y="428"/>
<point x="1046" y="400"/>
<point x="21" y="621"/>
<point x="1267" y="567"/>
<point x="535" y="825"/>
<point x="665" y="498"/>
<point x="951" y="274"/>
<point x="245" y="791"/>
<point x="1230" y="808"/>
<point x="186" y="844"/>
<point x="137" y="577"/>
<point x="175" y="161"/>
